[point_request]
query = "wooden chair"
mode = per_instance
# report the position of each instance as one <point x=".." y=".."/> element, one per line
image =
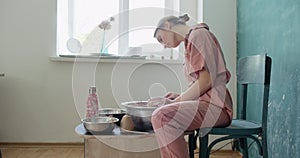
<point x="250" y="70"/>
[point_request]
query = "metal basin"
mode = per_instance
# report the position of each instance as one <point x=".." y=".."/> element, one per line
<point x="112" y="112"/>
<point x="98" y="125"/>
<point x="140" y="114"/>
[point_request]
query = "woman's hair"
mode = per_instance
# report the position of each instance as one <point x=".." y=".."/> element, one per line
<point x="181" y="20"/>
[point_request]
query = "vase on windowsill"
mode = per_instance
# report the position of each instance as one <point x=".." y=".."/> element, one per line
<point x="105" y="25"/>
<point x="103" y="49"/>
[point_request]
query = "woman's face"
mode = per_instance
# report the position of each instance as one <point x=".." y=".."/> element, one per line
<point x="167" y="37"/>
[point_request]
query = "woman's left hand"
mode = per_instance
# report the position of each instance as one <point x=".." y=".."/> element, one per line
<point x="159" y="101"/>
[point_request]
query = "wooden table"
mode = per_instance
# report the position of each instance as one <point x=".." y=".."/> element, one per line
<point x="119" y="144"/>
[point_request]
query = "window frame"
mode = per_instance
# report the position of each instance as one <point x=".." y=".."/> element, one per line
<point x="63" y="34"/>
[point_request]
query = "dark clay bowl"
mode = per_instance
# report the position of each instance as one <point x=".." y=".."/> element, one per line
<point x="113" y="112"/>
<point x="140" y="114"/>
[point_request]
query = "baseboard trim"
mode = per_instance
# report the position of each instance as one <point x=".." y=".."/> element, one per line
<point x="39" y="144"/>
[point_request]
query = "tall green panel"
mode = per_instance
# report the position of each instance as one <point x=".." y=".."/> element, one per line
<point x="273" y="27"/>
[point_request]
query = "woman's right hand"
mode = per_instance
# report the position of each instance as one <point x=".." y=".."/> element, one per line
<point x="171" y="95"/>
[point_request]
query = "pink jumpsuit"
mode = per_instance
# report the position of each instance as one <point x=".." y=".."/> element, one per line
<point x="213" y="108"/>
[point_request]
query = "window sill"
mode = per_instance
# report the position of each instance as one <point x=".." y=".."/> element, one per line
<point x="112" y="60"/>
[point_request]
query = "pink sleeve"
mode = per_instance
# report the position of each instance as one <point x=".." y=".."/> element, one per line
<point x="196" y="62"/>
<point x="203" y="53"/>
<point x="196" y="47"/>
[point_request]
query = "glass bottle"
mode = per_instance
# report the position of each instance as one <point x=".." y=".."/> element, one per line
<point x="92" y="103"/>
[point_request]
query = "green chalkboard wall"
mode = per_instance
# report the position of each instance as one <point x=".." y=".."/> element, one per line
<point x="273" y="27"/>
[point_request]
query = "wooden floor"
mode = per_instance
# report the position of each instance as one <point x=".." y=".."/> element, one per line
<point x="71" y="151"/>
<point x="42" y="150"/>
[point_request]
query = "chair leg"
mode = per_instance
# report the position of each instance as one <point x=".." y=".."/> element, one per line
<point x="191" y="145"/>
<point x="195" y="139"/>
<point x="235" y="146"/>
<point x="265" y="148"/>
<point x="203" y="147"/>
<point x="245" y="148"/>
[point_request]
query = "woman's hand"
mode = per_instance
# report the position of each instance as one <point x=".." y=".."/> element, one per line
<point x="158" y="101"/>
<point x="171" y="95"/>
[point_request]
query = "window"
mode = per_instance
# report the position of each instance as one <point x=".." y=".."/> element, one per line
<point x="132" y="27"/>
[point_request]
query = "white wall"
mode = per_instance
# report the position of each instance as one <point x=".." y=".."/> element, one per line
<point x="37" y="103"/>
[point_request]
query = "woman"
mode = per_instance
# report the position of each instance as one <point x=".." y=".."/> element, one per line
<point x="207" y="102"/>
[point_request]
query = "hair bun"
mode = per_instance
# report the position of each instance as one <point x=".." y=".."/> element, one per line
<point x="184" y="18"/>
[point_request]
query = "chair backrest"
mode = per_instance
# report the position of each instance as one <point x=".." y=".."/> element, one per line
<point x="253" y="70"/>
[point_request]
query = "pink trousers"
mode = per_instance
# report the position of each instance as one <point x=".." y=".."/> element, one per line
<point x="170" y="122"/>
